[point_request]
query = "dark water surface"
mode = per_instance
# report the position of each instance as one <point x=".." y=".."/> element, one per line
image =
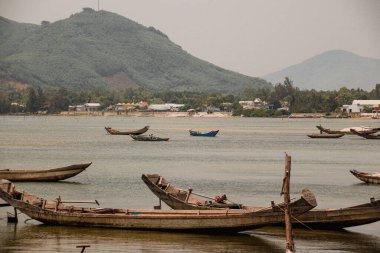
<point x="245" y="161"/>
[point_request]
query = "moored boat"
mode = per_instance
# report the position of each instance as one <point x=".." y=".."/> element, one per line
<point x="366" y="135"/>
<point x="212" y="133"/>
<point x="45" y="175"/>
<point x="178" y="198"/>
<point x="112" y="131"/>
<point x="57" y="212"/>
<point x="366" y="177"/>
<point x="361" y="129"/>
<point x="330" y="218"/>
<point x="325" y="136"/>
<point x="339" y="218"/>
<point x="150" y="137"/>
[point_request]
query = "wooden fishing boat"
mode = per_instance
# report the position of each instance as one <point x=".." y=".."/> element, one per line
<point x="212" y="133"/>
<point x="367" y="177"/>
<point x="150" y="137"/>
<point x="134" y="132"/>
<point x="58" y="212"/>
<point x="325" y="136"/>
<point x="339" y="218"/>
<point x="366" y="130"/>
<point x="49" y="175"/>
<point x="366" y="135"/>
<point x="180" y="199"/>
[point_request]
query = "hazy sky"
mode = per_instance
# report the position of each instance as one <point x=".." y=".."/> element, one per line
<point x="253" y="37"/>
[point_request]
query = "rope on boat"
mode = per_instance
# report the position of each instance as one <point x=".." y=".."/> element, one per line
<point x="303" y="224"/>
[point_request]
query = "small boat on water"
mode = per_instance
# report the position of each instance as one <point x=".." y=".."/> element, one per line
<point x="361" y="129"/>
<point x="325" y="136"/>
<point x="150" y="137"/>
<point x="46" y="175"/>
<point x="212" y="133"/>
<point x="58" y="212"/>
<point x="365" y="135"/>
<point x="330" y="218"/>
<point x="179" y="199"/>
<point x="134" y="132"/>
<point x="373" y="178"/>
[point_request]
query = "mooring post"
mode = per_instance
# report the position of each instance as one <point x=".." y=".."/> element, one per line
<point x="159" y="205"/>
<point x="285" y="190"/>
<point x="83" y="247"/>
<point x="12" y="218"/>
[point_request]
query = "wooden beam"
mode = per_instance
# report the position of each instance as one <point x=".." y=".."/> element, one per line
<point x="285" y="190"/>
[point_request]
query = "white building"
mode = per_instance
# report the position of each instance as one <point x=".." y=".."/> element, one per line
<point x="256" y="104"/>
<point x="91" y="107"/>
<point x="165" y="107"/>
<point x="358" y="105"/>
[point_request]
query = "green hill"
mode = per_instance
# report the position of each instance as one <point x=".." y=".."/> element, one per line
<point x="103" y="49"/>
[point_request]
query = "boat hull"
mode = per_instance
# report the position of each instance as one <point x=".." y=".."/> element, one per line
<point x="363" y="130"/>
<point x="315" y="218"/>
<point x="50" y="175"/>
<point x="209" y="134"/>
<point x="366" y="177"/>
<point x="335" y="219"/>
<point x="148" y="138"/>
<point x="209" y="221"/>
<point x="325" y="136"/>
<point x="180" y="202"/>
<point x="135" y="132"/>
<point x="366" y="135"/>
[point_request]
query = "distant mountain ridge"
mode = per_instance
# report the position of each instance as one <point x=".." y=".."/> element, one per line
<point x="332" y="70"/>
<point x="103" y="49"/>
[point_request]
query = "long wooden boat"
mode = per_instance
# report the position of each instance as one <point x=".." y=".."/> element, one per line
<point x="57" y="212"/>
<point x="365" y="135"/>
<point x="339" y="218"/>
<point x="49" y="175"/>
<point x="180" y="199"/>
<point x="135" y="132"/>
<point x="367" y="177"/>
<point x="366" y="130"/>
<point x="325" y="136"/>
<point x="212" y="133"/>
<point x="150" y="137"/>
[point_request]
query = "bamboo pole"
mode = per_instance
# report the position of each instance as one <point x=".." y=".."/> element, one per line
<point x="285" y="191"/>
<point x="200" y="195"/>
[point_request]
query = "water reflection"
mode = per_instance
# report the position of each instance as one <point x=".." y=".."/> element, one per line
<point x="42" y="238"/>
<point x="323" y="240"/>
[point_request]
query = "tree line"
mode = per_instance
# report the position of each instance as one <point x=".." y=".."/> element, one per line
<point x="285" y="94"/>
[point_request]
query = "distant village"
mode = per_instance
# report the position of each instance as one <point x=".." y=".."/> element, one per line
<point x="358" y="108"/>
<point x="122" y="108"/>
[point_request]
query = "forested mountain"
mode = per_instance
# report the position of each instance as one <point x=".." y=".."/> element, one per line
<point x="332" y="70"/>
<point x="103" y="49"/>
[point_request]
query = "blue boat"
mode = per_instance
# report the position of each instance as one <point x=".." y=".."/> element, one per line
<point x="209" y="134"/>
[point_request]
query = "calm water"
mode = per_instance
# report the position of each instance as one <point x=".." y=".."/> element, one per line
<point x="245" y="161"/>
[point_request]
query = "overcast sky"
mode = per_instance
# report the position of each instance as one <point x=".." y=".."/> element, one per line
<point x="253" y="37"/>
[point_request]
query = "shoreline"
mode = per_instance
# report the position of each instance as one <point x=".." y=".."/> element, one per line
<point x="187" y="115"/>
<point x="151" y="114"/>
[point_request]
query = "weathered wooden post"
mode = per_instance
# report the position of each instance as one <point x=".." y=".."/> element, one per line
<point x="285" y="191"/>
<point x="83" y="247"/>
<point x="12" y="218"/>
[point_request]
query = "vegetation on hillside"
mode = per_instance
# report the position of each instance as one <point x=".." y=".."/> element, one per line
<point x="99" y="49"/>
